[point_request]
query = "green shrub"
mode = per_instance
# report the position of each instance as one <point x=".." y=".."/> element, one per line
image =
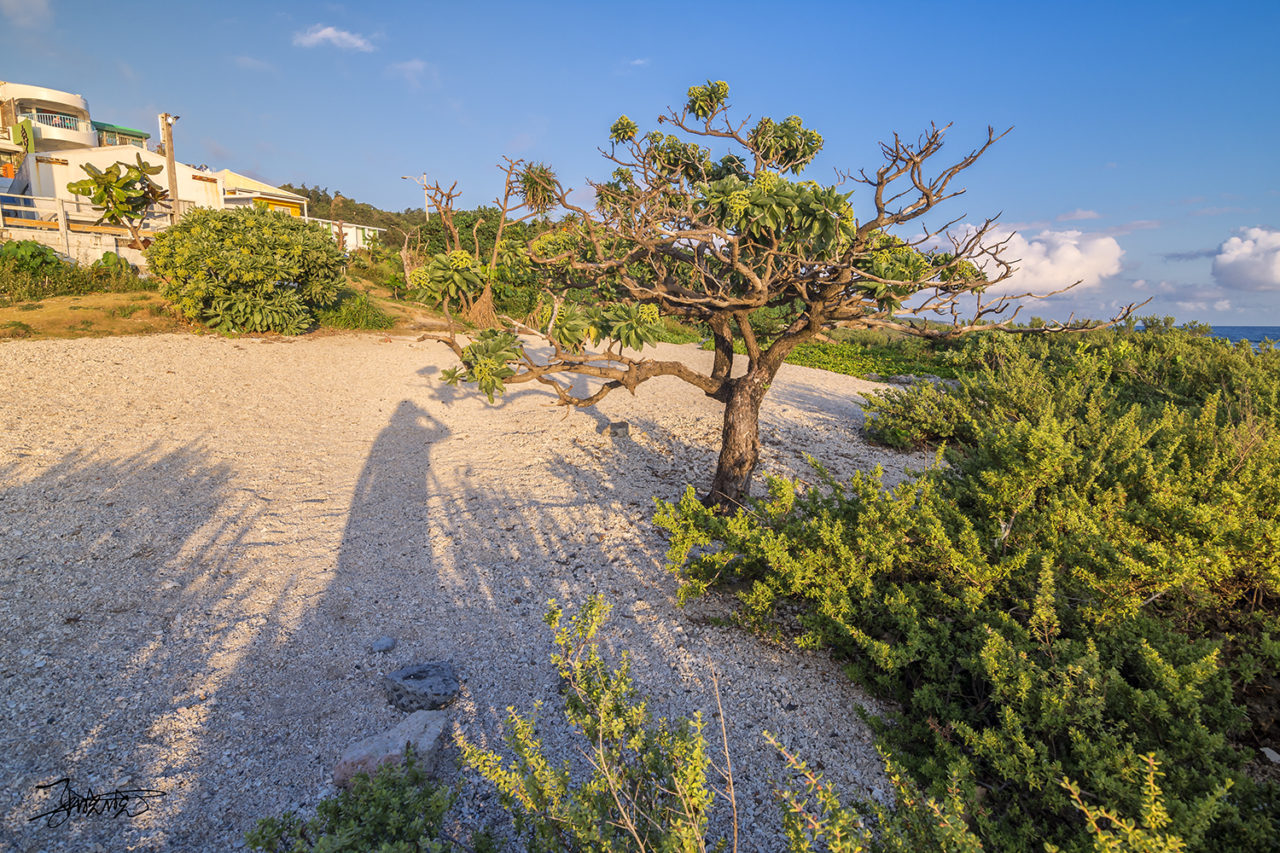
<point x="399" y="810"/>
<point x="247" y="270"/>
<point x="909" y="357"/>
<point x="1092" y="578"/>
<point x="30" y="257"/>
<point x="30" y="271"/>
<point x="110" y="262"/>
<point x="649" y="788"/>
<point x="355" y="311"/>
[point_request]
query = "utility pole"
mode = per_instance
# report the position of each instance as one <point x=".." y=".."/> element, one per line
<point x="171" y="165"/>
<point x="426" y="195"/>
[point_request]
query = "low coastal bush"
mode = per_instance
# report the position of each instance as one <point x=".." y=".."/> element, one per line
<point x="398" y="810"/>
<point x="648" y="789"/>
<point x="31" y="271"/>
<point x="1091" y="580"/>
<point x="247" y="270"/>
<point x="893" y="357"/>
<point x="354" y="310"/>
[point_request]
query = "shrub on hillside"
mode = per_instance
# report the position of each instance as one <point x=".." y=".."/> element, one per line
<point x="247" y="270"/>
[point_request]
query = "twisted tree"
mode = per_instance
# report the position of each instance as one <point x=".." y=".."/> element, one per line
<point x="677" y="233"/>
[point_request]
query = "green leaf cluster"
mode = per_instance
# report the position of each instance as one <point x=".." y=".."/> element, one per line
<point x="632" y="325"/>
<point x="1091" y="578"/>
<point x="447" y="277"/>
<point x="788" y="145"/>
<point x="487" y="362"/>
<point x="29" y="257"/>
<point x="780" y="214"/>
<point x="705" y="101"/>
<point x="112" y="263"/>
<point x="247" y="269"/>
<point x="123" y="192"/>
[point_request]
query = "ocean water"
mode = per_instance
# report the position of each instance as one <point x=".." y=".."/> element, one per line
<point x="1253" y="334"/>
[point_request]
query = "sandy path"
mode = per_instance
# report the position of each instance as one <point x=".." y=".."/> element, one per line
<point x="200" y="537"/>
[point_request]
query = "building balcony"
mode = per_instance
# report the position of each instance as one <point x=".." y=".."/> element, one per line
<point x="55" y="131"/>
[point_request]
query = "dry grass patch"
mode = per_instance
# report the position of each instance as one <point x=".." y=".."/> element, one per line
<point x="92" y="315"/>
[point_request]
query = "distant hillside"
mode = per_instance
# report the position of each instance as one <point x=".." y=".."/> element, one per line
<point x="323" y="205"/>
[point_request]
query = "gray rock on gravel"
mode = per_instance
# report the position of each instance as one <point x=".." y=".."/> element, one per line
<point x="383" y="644"/>
<point x="422" y="730"/>
<point x="422" y="686"/>
<point x="1271" y="755"/>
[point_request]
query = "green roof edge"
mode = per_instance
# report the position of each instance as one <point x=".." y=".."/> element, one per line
<point x="102" y="125"/>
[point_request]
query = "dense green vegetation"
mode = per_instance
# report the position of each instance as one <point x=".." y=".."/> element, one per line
<point x="32" y="271"/>
<point x="248" y="270"/>
<point x="861" y="354"/>
<point x="648" y="788"/>
<point x="354" y="310"/>
<point x="1090" y="578"/>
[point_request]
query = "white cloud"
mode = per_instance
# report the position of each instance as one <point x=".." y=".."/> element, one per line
<point x="1051" y="260"/>
<point x="1250" y="261"/>
<point x="1222" y="305"/>
<point x="412" y="71"/>
<point x="637" y="63"/>
<point x="250" y="63"/>
<point x="26" y="13"/>
<point x="1078" y="214"/>
<point x="319" y="35"/>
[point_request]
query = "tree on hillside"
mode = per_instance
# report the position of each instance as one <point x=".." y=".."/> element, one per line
<point x="727" y="241"/>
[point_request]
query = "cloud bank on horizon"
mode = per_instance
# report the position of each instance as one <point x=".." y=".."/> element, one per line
<point x="1249" y="261"/>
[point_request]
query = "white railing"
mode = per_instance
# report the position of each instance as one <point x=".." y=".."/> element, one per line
<point x="58" y="120"/>
<point x="63" y="216"/>
<point x="106" y="137"/>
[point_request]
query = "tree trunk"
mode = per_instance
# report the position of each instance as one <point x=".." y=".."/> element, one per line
<point x="739" y="441"/>
<point x="481" y="311"/>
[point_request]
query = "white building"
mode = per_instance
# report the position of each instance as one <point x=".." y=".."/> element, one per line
<point x="47" y="136"/>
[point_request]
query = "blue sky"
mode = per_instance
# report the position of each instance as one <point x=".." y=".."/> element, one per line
<point x="1143" y="158"/>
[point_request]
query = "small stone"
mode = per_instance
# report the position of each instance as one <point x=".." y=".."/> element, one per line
<point x="422" y="730"/>
<point x="383" y="644"/>
<point x="1271" y="755"/>
<point x="619" y="428"/>
<point x="422" y="686"/>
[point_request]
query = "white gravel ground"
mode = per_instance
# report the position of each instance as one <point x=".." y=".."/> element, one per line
<point x="200" y="537"/>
